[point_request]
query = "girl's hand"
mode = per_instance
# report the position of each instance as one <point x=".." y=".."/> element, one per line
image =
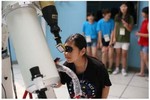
<point x="125" y="24"/>
<point x="110" y="44"/>
<point x="137" y="33"/>
<point x="114" y="40"/>
<point x="100" y="44"/>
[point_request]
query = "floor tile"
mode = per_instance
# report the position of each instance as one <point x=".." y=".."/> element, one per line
<point x="16" y="69"/>
<point x="18" y="76"/>
<point x="135" y="92"/>
<point x="20" y="89"/>
<point x="62" y="92"/>
<point x="119" y="79"/>
<point x="15" y="65"/>
<point x="112" y="97"/>
<point x="116" y="90"/>
<point x="123" y="98"/>
<point x="139" y="82"/>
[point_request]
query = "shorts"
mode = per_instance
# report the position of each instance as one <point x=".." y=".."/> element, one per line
<point x="144" y="49"/>
<point x="93" y="43"/>
<point x="106" y="44"/>
<point x="122" y="45"/>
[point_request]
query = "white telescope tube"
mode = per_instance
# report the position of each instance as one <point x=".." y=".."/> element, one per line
<point x="30" y="45"/>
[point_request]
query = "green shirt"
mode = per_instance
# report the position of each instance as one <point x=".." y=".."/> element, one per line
<point x="119" y="25"/>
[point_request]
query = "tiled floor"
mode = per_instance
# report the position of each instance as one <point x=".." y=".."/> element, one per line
<point x="127" y="87"/>
<point x="130" y="86"/>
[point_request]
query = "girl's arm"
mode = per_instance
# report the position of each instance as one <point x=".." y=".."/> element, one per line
<point x="100" y="38"/>
<point x="114" y="33"/>
<point x="111" y="38"/>
<point x="105" y="92"/>
<point x="142" y="34"/>
<point x="127" y="26"/>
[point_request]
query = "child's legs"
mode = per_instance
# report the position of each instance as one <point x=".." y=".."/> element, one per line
<point x="104" y="55"/>
<point x="94" y="48"/>
<point x="94" y="51"/>
<point x="105" y="51"/>
<point x="125" y="47"/>
<point x="88" y="49"/>
<point x="124" y="58"/>
<point x="117" y="47"/>
<point x="110" y="55"/>
<point x="142" y="63"/>
<point x="145" y="55"/>
<point x="118" y="54"/>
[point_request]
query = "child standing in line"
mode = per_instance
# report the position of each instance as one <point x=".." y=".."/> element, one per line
<point x="105" y="29"/>
<point x="123" y="27"/>
<point x="91" y="34"/>
<point x="143" y="41"/>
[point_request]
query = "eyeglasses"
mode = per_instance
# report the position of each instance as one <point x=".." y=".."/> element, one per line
<point x="68" y="49"/>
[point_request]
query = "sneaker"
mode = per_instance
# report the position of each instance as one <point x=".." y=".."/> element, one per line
<point x="116" y="71"/>
<point x="124" y="73"/>
<point x="109" y="71"/>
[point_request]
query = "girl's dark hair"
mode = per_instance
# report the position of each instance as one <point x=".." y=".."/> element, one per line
<point x="78" y="40"/>
<point x="106" y="11"/>
<point x="90" y="14"/>
<point x="119" y="15"/>
<point x="145" y="10"/>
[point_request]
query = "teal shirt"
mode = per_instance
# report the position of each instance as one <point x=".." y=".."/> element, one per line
<point x="106" y="27"/>
<point x="90" y="30"/>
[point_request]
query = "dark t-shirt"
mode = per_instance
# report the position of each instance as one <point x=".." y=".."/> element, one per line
<point x="92" y="80"/>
